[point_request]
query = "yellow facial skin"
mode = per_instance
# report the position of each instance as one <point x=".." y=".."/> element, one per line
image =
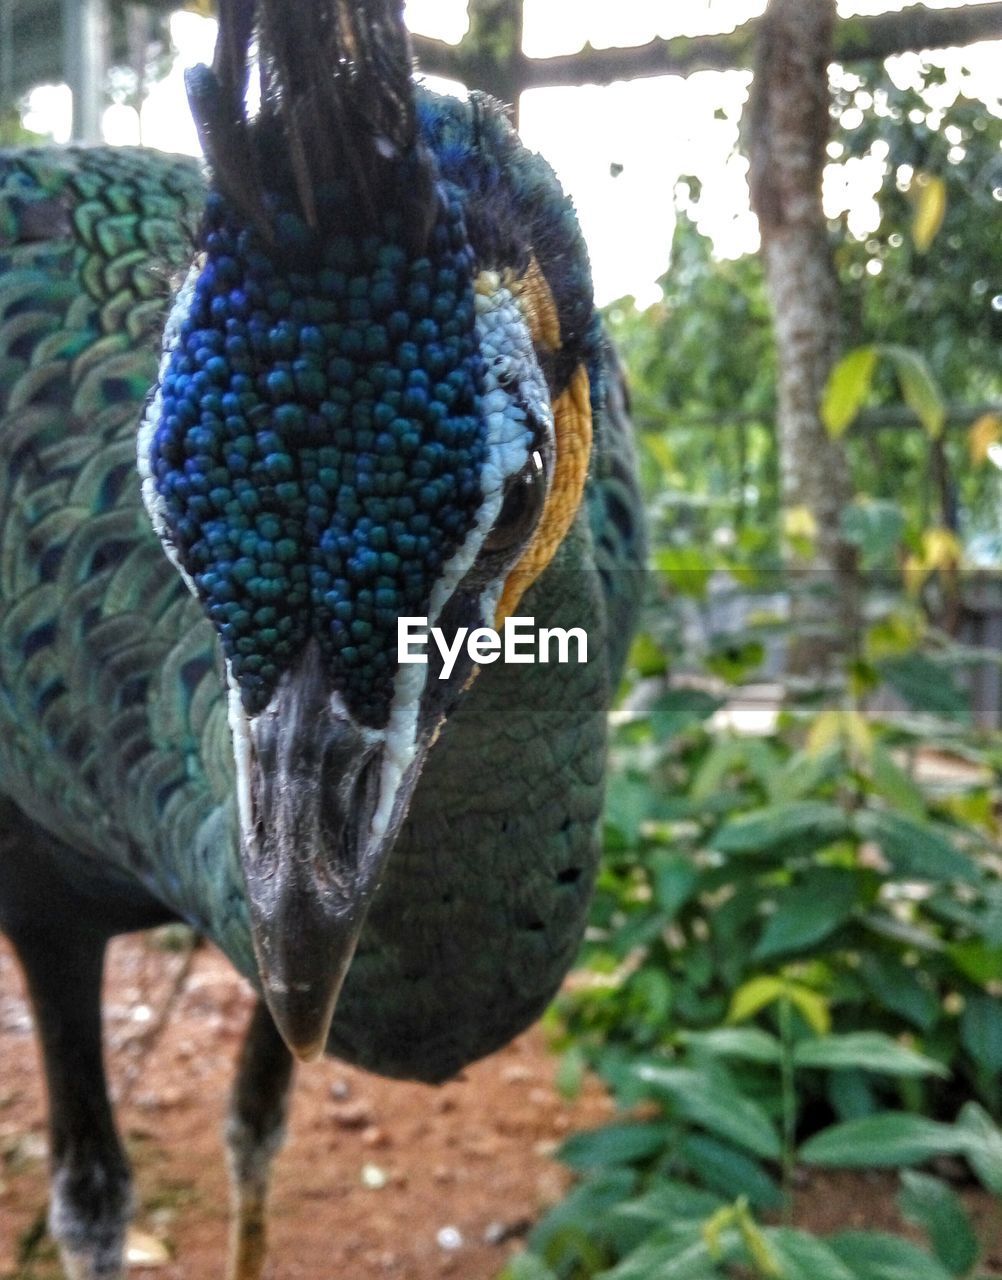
<point x="538" y="307"/>
<point x="573" y="430"/>
<point x="573" y="427"/>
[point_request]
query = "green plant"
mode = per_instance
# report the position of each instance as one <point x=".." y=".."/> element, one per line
<point x="808" y="864"/>
<point x="917" y="289"/>
<point x="795" y="952"/>
<point x="669" y="1231"/>
<point x="795" y="957"/>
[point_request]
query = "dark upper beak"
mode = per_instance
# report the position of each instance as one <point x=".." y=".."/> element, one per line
<point x="310" y="862"/>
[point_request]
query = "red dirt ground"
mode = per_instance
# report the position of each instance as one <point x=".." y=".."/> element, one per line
<point x="470" y="1158"/>
<point x="379" y="1180"/>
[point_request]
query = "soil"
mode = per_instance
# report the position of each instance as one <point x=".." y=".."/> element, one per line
<point x="379" y="1180"/>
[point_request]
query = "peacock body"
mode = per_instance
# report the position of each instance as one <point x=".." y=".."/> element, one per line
<point x="379" y="391"/>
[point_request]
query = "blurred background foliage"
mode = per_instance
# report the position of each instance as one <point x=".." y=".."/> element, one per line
<point x="926" y="280"/>
<point x="795" y="954"/>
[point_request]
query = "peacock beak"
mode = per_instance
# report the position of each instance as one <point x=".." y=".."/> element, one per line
<point x="311" y="859"/>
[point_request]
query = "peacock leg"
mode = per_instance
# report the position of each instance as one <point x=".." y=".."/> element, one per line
<point x="91" y="1193"/>
<point x="255" y="1131"/>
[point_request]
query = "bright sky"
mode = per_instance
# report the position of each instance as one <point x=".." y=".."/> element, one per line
<point x="657" y="129"/>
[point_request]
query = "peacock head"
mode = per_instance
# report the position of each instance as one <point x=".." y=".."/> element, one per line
<point x="351" y="426"/>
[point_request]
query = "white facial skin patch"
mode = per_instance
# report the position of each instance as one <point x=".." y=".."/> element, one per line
<point x="516" y="408"/>
<point x="152" y="499"/>
<point x="240" y="731"/>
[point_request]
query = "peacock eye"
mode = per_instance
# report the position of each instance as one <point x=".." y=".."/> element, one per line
<point x="521" y="508"/>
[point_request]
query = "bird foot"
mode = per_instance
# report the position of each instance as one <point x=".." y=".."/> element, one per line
<point x="88" y="1218"/>
<point x="91" y="1264"/>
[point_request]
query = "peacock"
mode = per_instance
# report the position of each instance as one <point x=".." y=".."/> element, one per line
<point x="358" y="364"/>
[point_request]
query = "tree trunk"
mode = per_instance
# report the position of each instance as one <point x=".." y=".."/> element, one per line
<point x="488" y="58"/>
<point x="789" y="125"/>
<point x="496" y="63"/>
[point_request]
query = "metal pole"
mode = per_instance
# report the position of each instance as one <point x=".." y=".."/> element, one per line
<point x="85" y="34"/>
<point x="6" y="52"/>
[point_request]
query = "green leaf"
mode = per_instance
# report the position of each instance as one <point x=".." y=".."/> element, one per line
<point x="749" y="1043"/>
<point x="865" y="1051"/>
<point x="805" y="1257"/>
<point x="932" y="1206"/>
<point x="803" y="774"/>
<point x="808" y="913"/>
<point x="671" y="1201"/>
<point x="681" y="1257"/>
<point x="659" y="450"/>
<point x="650" y="992"/>
<point x="718" y="1230"/>
<point x="904" y="933"/>
<point x="680" y="709"/>
<point x="757" y="993"/>
<point x="733" y="660"/>
<point x="757" y="1245"/>
<point x="584" y="1211"/>
<point x="916" y="850"/>
<point x="732" y="754"/>
<point x="574" y="1250"/>
<point x="708" y="1100"/>
<point x="918" y="387"/>
<point x="730" y="1172"/>
<point x="729" y="923"/>
<point x="847" y="730"/>
<point x="627" y="806"/>
<point x="687" y="568"/>
<point x="977" y="960"/>
<point x="851" y="1094"/>
<point x="674" y="879"/>
<point x="807" y="825"/>
<point x="762" y="760"/>
<point x="929" y="193"/>
<point x="892" y="635"/>
<point x="847" y="388"/>
<point x="725" y="754"/>
<point x="570" y="1072"/>
<point x="888" y="1140"/>
<point x="525" y="1266"/>
<point x="812" y="1006"/>
<point x="647" y="657"/>
<point x="875" y="527"/>
<point x="981" y="1031"/>
<point x="894" y="784"/>
<point x="985" y="432"/>
<point x="615" y="1144"/>
<point x="926" y="686"/>
<point x="753" y="995"/>
<point x="872" y="1255"/>
<point x="982" y="1140"/>
<point x="900" y="989"/>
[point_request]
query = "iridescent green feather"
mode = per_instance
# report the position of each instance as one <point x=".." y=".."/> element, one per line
<point x="113" y="730"/>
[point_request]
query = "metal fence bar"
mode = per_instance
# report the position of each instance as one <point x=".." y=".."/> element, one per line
<point x="85" y="55"/>
<point x="6" y="50"/>
<point x="891" y="417"/>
